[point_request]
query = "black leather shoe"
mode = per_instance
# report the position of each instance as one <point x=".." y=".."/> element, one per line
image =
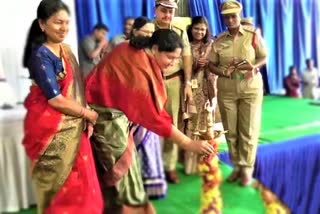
<point x="235" y="176"/>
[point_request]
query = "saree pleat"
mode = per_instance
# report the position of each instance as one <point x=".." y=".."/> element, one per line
<point x="54" y="166"/>
<point x="116" y="159"/>
<point x="125" y="87"/>
<point x="150" y="154"/>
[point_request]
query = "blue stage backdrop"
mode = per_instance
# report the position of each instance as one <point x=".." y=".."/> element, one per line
<point x="110" y="12"/>
<point x="290" y="27"/>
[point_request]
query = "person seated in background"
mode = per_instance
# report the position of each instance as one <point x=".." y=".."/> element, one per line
<point x="292" y="83"/>
<point x="92" y="48"/>
<point x="123" y="37"/>
<point x="310" y="81"/>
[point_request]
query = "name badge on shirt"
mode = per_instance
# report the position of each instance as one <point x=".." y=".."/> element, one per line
<point x="194" y="83"/>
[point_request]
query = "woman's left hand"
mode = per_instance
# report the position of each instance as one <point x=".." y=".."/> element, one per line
<point x="188" y="94"/>
<point x="250" y="74"/>
<point x="247" y="66"/>
<point x="202" y="62"/>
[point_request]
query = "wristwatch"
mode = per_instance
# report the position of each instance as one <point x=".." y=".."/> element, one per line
<point x="189" y="83"/>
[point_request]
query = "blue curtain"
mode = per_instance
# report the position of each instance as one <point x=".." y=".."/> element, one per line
<point x="87" y="17"/>
<point x="111" y="12"/>
<point x="315" y="30"/>
<point x="209" y="9"/>
<point x="290" y="29"/>
<point x="149" y="10"/>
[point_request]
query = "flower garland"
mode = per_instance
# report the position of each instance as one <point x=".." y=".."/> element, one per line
<point x="208" y="167"/>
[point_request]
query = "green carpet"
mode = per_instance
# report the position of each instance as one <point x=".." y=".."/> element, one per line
<point x="286" y="118"/>
<point x="283" y="119"/>
<point x="185" y="197"/>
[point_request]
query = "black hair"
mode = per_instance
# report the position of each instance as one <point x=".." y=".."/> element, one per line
<point x="199" y="20"/>
<point x="101" y="26"/>
<point x="139" y="42"/>
<point x="139" y="23"/>
<point x="291" y="68"/>
<point x="128" y="18"/>
<point x="167" y="40"/>
<point x="309" y="60"/>
<point x="36" y="37"/>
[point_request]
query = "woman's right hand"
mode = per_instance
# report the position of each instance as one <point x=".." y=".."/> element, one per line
<point x="202" y="62"/>
<point x="92" y="116"/>
<point x="229" y="70"/>
<point x="201" y="147"/>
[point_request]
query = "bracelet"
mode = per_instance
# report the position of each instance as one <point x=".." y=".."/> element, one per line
<point x="223" y="72"/>
<point x="189" y="83"/>
<point x="85" y="113"/>
<point x="82" y="112"/>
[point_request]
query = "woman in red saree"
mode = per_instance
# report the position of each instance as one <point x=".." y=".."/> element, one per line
<point x="292" y="83"/>
<point x="127" y="88"/>
<point x="63" y="167"/>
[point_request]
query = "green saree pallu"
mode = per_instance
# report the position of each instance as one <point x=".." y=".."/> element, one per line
<point x="117" y="159"/>
<point x="125" y="88"/>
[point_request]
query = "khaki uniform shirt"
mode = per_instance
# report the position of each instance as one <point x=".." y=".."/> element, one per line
<point x="186" y="48"/>
<point x="227" y="49"/>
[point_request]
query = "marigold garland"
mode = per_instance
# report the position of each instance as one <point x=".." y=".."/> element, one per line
<point x="208" y="167"/>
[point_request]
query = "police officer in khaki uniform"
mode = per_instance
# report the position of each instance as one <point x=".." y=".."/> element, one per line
<point x="237" y="55"/>
<point x="165" y="10"/>
<point x="247" y="21"/>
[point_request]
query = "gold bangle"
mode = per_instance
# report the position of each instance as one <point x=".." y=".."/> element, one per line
<point x="82" y="112"/>
<point x="85" y="113"/>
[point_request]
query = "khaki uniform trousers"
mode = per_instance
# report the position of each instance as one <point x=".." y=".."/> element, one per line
<point x="170" y="149"/>
<point x="240" y="104"/>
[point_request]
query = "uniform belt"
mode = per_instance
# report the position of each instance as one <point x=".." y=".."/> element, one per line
<point x="236" y="76"/>
<point x="171" y="76"/>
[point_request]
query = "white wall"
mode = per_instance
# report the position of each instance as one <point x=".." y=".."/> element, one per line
<point x="16" y="18"/>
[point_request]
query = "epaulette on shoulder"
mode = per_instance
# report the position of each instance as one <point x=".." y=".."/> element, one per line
<point x="249" y="28"/>
<point x="220" y="36"/>
<point x="175" y="26"/>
